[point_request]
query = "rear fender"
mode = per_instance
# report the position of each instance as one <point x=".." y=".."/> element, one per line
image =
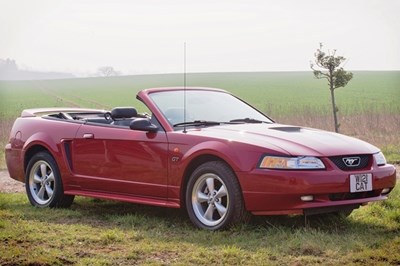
<point x="40" y="139"/>
<point x="48" y="143"/>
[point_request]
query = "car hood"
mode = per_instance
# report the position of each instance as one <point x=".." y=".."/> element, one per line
<point x="288" y="139"/>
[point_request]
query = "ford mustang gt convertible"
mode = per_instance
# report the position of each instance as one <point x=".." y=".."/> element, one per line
<point x="201" y="149"/>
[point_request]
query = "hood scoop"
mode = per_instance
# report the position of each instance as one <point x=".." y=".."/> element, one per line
<point x="287" y="129"/>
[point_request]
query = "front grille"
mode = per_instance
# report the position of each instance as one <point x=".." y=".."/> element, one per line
<point x="340" y="163"/>
<point x="351" y="196"/>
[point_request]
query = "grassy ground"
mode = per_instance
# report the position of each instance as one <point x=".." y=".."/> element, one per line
<point x="280" y="93"/>
<point x="94" y="232"/>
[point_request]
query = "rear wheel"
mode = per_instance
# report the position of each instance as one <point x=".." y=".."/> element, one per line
<point x="43" y="183"/>
<point x="214" y="198"/>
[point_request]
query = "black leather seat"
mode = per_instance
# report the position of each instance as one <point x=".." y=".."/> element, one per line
<point x="123" y="116"/>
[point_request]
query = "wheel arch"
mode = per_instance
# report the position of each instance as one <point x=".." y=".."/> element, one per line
<point x="191" y="167"/>
<point x="39" y="142"/>
<point x="32" y="150"/>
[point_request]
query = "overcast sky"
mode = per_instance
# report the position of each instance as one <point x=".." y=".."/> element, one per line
<point x="222" y="35"/>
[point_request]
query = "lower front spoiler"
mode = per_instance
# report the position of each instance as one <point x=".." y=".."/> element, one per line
<point x="312" y="208"/>
<point x="330" y="209"/>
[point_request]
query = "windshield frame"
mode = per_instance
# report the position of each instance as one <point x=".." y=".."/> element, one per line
<point x="191" y="94"/>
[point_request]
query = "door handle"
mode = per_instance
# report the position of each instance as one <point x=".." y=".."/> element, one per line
<point x="88" y="136"/>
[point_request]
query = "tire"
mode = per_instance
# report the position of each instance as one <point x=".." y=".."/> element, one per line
<point x="214" y="198"/>
<point x="43" y="183"/>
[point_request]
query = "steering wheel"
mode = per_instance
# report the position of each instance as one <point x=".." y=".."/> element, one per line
<point x="108" y="116"/>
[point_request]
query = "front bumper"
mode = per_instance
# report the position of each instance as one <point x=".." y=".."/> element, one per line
<point x="279" y="192"/>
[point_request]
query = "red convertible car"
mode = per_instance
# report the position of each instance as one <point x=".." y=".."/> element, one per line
<point x="202" y="149"/>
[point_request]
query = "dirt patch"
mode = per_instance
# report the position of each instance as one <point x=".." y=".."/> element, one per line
<point x="9" y="185"/>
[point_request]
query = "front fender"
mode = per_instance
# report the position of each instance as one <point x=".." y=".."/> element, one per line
<point x="240" y="157"/>
<point x="215" y="148"/>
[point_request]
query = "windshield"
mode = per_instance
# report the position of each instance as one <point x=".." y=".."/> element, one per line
<point x="205" y="106"/>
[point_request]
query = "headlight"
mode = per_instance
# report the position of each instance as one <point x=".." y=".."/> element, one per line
<point x="276" y="162"/>
<point x="380" y="158"/>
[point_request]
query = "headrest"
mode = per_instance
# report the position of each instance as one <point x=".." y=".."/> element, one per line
<point x="123" y="112"/>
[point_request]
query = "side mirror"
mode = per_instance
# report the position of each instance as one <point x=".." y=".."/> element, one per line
<point x="143" y="124"/>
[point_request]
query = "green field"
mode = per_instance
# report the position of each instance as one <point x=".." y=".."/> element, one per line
<point x="280" y="93"/>
<point x="369" y="106"/>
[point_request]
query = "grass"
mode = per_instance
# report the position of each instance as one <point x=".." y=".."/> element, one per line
<point x="276" y="93"/>
<point x="97" y="232"/>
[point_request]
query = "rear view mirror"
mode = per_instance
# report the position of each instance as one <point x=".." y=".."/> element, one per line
<point x="143" y="124"/>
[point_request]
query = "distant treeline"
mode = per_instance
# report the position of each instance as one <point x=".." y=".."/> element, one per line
<point x="9" y="70"/>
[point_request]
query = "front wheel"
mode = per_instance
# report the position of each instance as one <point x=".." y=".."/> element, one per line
<point x="214" y="198"/>
<point x="43" y="183"/>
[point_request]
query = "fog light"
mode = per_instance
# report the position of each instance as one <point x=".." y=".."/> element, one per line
<point x="385" y="190"/>
<point x="307" y="198"/>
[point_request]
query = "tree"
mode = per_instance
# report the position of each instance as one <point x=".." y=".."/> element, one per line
<point x="107" y="71"/>
<point x="328" y="66"/>
<point x="8" y="65"/>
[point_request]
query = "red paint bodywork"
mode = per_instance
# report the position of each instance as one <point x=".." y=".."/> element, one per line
<point x="152" y="167"/>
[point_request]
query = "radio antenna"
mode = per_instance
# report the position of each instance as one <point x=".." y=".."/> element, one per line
<point x="184" y="87"/>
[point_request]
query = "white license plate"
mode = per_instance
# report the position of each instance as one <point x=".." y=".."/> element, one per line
<point x="360" y="182"/>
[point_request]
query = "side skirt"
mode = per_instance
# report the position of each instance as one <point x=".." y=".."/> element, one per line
<point x="131" y="199"/>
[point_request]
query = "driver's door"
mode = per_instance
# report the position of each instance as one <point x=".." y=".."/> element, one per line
<point x="121" y="160"/>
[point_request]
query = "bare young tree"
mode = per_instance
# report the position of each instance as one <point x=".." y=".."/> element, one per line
<point x="107" y="71"/>
<point x="328" y="66"/>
